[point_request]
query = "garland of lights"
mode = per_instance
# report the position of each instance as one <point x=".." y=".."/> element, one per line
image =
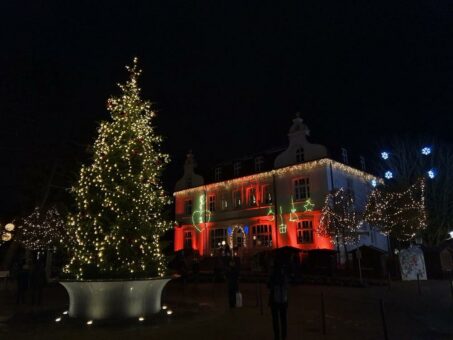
<point x="115" y="231"/>
<point x="400" y="214"/>
<point x="339" y="220"/>
<point x="292" y="169"/>
<point x="41" y="230"/>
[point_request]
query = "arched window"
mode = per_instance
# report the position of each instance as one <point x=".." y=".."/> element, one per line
<point x="300" y="157"/>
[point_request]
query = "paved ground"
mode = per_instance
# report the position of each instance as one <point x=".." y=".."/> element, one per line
<point x="200" y="312"/>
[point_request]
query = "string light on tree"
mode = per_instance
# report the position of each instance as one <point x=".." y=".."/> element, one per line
<point x="120" y="200"/>
<point x="400" y="214"/>
<point x="41" y="230"/>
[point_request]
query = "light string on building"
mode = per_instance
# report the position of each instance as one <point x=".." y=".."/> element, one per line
<point x="120" y="200"/>
<point x="201" y="215"/>
<point x="293" y="169"/>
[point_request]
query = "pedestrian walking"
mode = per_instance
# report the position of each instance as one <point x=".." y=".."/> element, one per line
<point x="232" y="276"/>
<point x="278" y="299"/>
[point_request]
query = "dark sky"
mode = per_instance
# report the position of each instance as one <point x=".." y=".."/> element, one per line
<point x="226" y="77"/>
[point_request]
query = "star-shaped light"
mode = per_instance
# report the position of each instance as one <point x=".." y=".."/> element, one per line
<point x="309" y="205"/>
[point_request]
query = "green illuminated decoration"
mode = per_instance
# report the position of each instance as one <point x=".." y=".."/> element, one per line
<point x="198" y="216"/>
<point x="271" y="213"/>
<point x="309" y="205"/>
<point x="292" y="215"/>
<point x="282" y="226"/>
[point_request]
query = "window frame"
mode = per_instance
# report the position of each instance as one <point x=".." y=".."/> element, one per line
<point x="305" y="235"/>
<point x="212" y="202"/>
<point x="188" y="239"/>
<point x="263" y="234"/>
<point x="300" y="188"/>
<point x="188" y="203"/>
<point x="300" y="155"/>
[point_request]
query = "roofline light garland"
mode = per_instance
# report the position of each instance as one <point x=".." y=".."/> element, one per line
<point x="292" y="168"/>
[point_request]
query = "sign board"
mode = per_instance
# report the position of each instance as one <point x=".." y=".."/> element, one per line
<point x="412" y="263"/>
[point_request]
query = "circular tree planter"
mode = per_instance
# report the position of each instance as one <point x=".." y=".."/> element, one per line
<point x="114" y="299"/>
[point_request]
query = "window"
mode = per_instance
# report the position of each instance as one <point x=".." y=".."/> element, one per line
<point x="217" y="236"/>
<point x="236" y="168"/>
<point x="262" y="235"/>
<point x="188" y="239"/>
<point x="224" y="202"/>
<point x="237" y="199"/>
<point x="212" y="203"/>
<point x="218" y="173"/>
<point x="251" y="197"/>
<point x="188" y="207"/>
<point x="350" y="187"/>
<point x="267" y="194"/>
<point x="362" y="163"/>
<point x="301" y="189"/>
<point x="344" y="156"/>
<point x="300" y="157"/>
<point x="305" y="231"/>
<point x="259" y="163"/>
<point x="189" y="182"/>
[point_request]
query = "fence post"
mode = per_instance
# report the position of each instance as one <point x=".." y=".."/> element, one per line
<point x="323" y="314"/>
<point x="384" y="322"/>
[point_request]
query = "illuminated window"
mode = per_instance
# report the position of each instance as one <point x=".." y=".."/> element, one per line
<point x="305" y="231"/>
<point x="212" y="203"/>
<point x="259" y="163"/>
<point x="236" y="168"/>
<point x="237" y="199"/>
<point x="300" y="156"/>
<point x="188" y="239"/>
<point x="218" y="173"/>
<point x="301" y="189"/>
<point x="188" y="207"/>
<point x="267" y="194"/>
<point x="217" y="236"/>
<point x="251" y="197"/>
<point x="262" y="235"/>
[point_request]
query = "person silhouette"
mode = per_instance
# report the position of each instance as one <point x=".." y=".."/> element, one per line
<point x="278" y="299"/>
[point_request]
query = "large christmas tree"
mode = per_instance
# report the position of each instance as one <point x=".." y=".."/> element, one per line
<point x="115" y="232"/>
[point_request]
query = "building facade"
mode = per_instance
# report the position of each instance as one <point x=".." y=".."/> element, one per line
<point x="270" y="208"/>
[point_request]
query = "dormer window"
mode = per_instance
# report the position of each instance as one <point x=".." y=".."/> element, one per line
<point x="344" y="156"/>
<point x="236" y="168"/>
<point x="300" y="157"/>
<point x="218" y="173"/>
<point x="362" y="163"/>
<point x="259" y="163"/>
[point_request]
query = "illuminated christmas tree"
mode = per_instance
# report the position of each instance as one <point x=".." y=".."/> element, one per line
<point x="120" y="200"/>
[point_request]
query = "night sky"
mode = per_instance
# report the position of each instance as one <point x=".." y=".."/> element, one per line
<point x="225" y="77"/>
